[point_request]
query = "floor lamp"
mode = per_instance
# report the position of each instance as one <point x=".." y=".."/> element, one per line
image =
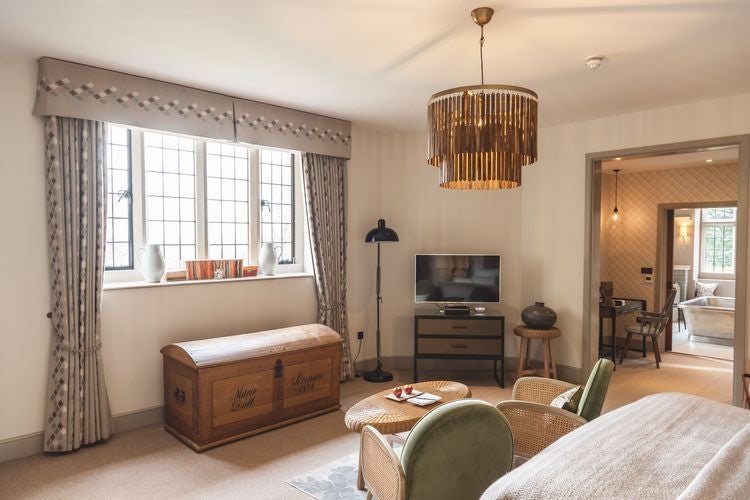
<point x="380" y="234"/>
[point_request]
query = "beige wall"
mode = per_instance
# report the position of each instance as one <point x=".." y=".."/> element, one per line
<point x="430" y="219"/>
<point x="137" y="323"/>
<point x="631" y="242"/>
<point x="24" y="301"/>
<point x="553" y="201"/>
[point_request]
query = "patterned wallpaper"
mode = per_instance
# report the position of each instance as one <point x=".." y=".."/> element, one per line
<point x="630" y="243"/>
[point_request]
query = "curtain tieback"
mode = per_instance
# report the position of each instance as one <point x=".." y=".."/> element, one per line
<point x="87" y="349"/>
<point x="331" y="307"/>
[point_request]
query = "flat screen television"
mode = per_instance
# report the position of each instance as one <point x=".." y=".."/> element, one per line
<point x="447" y="278"/>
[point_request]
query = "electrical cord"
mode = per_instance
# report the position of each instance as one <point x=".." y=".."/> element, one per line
<point x="354" y="363"/>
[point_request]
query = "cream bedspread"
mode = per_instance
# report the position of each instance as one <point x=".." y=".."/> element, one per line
<point x="727" y="475"/>
<point x="651" y="449"/>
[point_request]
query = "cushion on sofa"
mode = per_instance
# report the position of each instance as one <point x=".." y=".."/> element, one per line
<point x="705" y="289"/>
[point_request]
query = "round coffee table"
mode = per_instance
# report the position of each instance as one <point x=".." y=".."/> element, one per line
<point x="390" y="417"/>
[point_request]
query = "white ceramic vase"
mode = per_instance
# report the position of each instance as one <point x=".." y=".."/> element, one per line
<point x="268" y="258"/>
<point x="152" y="263"/>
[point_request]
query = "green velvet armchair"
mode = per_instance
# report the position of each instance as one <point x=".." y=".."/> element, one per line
<point x="455" y="451"/>
<point x="536" y="424"/>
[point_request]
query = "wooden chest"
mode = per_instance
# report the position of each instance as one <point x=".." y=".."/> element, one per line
<point x="223" y="389"/>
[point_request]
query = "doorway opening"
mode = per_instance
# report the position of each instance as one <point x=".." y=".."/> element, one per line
<point x="635" y="250"/>
<point x="704" y="257"/>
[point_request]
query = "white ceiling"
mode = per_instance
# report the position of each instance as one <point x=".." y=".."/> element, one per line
<point x="723" y="156"/>
<point x="377" y="61"/>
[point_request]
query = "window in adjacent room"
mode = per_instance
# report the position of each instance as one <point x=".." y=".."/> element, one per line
<point x="718" y="242"/>
<point x="119" y="233"/>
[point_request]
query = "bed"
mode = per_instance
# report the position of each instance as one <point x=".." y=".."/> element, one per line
<point x="668" y="445"/>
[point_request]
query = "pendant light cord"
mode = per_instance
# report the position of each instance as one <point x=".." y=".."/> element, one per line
<point x="481" y="52"/>
<point x="616" y="186"/>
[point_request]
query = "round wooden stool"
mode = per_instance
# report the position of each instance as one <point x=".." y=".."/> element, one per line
<point x="528" y="334"/>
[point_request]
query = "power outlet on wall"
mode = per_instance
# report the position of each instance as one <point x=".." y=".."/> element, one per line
<point x="360" y="335"/>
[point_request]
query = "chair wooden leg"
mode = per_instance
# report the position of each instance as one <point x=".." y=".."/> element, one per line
<point x="656" y="340"/>
<point x="546" y="357"/>
<point x="626" y="346"/>
<point x="656" y="351"/>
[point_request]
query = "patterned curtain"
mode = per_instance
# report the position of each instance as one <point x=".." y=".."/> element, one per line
<point x="326" y="216"/>
<point x="78" y="410"/>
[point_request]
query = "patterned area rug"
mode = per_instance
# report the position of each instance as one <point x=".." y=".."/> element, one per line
<point x="335" y="480"/>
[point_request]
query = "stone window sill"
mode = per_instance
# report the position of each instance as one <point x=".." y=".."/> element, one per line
<point x="128" y="285"/>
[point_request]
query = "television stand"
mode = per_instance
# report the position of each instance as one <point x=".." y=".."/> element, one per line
<point x="474" y="337"/>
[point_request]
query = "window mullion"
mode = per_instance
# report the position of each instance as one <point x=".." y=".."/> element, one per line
<point x="254" y="206"/>
<point x="139" y="193"/>
<point x="200" y="202"/>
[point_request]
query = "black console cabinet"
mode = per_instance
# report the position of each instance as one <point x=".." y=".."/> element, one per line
<point x="437" y="336"/>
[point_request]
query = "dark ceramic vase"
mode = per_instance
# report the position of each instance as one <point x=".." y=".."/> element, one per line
<point x="539" y="316"/>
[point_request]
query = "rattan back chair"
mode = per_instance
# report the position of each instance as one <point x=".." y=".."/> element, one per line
<point x="455" y="451"/>
<point x="535" y="424"/>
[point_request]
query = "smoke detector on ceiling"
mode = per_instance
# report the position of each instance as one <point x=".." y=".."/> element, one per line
<point x="593" y="62"/>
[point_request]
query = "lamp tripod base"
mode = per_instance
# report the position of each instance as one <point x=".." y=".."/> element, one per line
<point x="378" y="374"/>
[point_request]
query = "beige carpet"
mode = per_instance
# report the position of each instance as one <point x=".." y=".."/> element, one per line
<point x="149" y="463"/>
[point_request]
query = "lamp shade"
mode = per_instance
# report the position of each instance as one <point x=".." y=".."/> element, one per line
<point x="381" y="234"/>
<point x="481" y="136"/>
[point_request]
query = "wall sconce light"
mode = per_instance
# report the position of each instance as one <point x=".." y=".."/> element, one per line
<point x="683" y="236"/>
<point x="683" y="223"/>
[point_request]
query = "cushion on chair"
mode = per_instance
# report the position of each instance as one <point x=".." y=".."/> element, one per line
<point x="595" y="391"/>
<point x="456" y="451"/>
<point x="569" y="399"/>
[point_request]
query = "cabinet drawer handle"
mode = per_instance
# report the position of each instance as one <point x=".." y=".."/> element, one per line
<point x="458" y="327"/>
<point x="459" y="346"/>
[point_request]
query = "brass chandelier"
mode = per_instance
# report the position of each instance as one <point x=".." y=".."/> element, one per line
<point x="480" y="136"/>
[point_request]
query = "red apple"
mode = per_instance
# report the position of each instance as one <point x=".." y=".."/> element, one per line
<point x="408" y="389"/>
<point x="397" y="392"/>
